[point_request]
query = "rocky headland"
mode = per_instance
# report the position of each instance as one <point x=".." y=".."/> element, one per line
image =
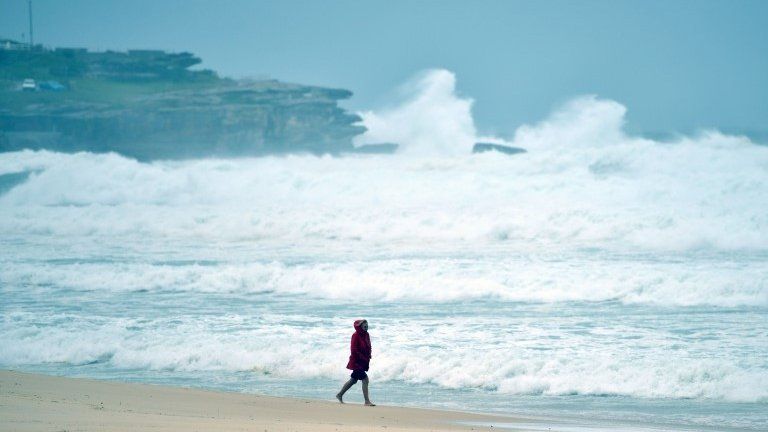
<point x="154" y="105"/>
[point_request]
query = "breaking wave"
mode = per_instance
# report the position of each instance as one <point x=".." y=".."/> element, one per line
<point x="634" y="364"/>
<point x="712" y="283"/>
<point x="583" y="184"/>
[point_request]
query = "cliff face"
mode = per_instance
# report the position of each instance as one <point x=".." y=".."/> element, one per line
<point x="229" y="120"/>
<point x="114" y="103"/>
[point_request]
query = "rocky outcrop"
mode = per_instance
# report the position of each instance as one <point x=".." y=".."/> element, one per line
<point x="486" y="147"/>
<point x="381" y="148"/>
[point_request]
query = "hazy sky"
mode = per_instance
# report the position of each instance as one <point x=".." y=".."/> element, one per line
<point x="676" y="65"/>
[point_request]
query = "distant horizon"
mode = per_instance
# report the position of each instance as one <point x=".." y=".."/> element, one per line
<point x="678" y="67"/>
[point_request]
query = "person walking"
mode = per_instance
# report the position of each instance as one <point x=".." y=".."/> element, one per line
<point x="359" y="360"/>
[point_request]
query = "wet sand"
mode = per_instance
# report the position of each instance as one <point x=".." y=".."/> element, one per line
<point x="32" y="402"/>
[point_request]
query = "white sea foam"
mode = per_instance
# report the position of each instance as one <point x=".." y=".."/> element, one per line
<point x="707" y="193"/>
<point x="725" y="284"/>
<point x="460" y="353"/>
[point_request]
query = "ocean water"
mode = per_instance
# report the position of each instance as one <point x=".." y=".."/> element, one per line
<point x="600" y="278"/>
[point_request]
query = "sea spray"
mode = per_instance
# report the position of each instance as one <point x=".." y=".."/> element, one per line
<point x="430" y="118"/>
<point x="705" y="193"/>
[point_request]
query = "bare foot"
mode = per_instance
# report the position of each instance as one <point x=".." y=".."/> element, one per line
<point x="369" y="403"/>
<point x="339" y="398"/>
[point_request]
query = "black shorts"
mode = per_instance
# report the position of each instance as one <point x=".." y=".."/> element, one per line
<point x="359" y="375"/>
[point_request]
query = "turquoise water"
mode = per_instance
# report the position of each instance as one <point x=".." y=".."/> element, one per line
<point x="613" y="281"/>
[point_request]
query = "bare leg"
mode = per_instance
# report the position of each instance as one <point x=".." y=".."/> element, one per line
<point x="344" y="389"/>
<point x="365" y="393"/>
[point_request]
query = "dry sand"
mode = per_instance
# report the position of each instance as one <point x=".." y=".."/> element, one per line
<point x="31" y="402"/>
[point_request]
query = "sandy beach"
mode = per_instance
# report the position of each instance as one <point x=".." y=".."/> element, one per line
<point x="32" y="402"/>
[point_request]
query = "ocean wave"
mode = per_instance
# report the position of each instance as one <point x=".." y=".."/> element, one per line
<point x="507" y="362"/>
<point x="725" y="284"/>
<point x="705" y="194"/>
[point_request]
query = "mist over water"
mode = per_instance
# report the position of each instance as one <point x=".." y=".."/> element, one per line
<point x="641" y="264"/>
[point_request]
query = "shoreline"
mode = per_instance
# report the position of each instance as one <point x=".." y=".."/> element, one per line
<point x="35" y="402"/>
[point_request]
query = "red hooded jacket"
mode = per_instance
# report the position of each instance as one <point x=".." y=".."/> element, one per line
<point x="360" y="348"/>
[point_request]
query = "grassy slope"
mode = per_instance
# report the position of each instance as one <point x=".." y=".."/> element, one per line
<point x="91" y="90"/>
<point x="72" y="71"/>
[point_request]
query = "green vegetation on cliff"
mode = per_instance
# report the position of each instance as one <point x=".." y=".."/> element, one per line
<point x="150" y="104"/>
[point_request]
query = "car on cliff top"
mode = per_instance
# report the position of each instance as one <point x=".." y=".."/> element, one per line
<point x="28" y="85"/>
